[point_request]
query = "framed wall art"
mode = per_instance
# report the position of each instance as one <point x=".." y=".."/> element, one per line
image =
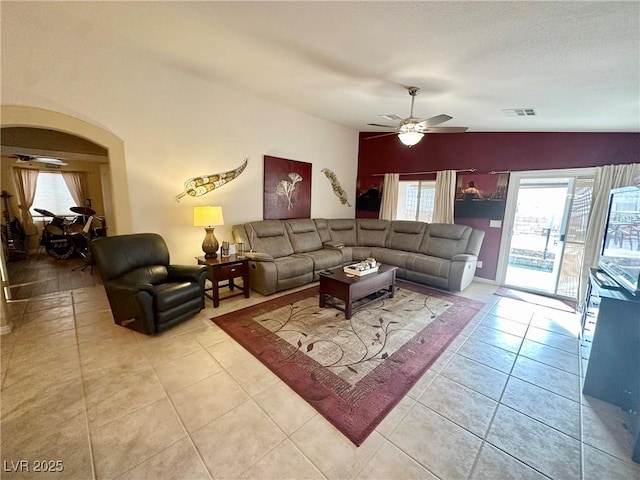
<point x="481" y="195"/>
<point x="287" y="189"/>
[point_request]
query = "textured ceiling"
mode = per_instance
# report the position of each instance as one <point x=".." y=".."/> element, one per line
<point x="576" y="63"/>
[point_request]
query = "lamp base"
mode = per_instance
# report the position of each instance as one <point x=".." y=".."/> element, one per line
<point x="210" y="244"/>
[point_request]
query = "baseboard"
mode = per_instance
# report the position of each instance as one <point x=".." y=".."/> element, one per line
<point x="485" y="280"/>
<point x="5" y="329"/>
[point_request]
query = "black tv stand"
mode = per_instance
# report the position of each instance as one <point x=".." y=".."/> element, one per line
<point x="610" y="351"/>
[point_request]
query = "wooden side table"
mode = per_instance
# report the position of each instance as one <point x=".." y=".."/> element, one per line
<point x="226" y="268"/>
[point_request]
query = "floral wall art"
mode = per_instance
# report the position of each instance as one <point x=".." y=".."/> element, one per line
<point x="287" y="189"/>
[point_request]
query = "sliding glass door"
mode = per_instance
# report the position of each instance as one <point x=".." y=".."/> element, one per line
<point x="544" y="231"/>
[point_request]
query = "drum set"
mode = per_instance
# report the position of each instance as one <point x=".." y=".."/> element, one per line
<point x="62" y="238"/>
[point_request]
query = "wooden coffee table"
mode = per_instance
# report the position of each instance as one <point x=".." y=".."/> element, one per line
<point x="352" y="291"/>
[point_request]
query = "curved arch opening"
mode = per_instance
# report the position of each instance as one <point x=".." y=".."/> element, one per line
<point x="113" y="176"/>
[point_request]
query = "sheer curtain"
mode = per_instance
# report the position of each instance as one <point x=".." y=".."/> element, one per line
<point x="445" y="196"/>
<point x="76" y="184"/>
<point x="26" y="180"/>
<point x="606" y="178"/>
<point x="389" y="206"/>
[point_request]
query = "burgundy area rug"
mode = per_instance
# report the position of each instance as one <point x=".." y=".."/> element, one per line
<point x="564" y="305"/>
<point x="351" y="371"/>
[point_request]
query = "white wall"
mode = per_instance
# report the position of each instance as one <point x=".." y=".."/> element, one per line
<point x="174" y="126"/>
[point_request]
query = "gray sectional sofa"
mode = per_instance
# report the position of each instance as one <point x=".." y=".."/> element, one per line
<point x="290" y="253"/>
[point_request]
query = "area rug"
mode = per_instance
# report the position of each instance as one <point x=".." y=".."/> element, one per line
<point x="353" y="371"/>
<point x="564" y="305"/>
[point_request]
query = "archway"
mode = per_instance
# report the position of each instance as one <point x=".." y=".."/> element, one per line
<point x="114" y="178"/>
<point x="118" y="212"/>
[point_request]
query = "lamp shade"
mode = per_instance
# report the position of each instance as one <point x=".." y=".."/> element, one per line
<point x="207" y="216"/>
<point x="410" y="138"/>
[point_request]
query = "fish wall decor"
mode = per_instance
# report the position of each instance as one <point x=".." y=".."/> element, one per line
<point x="198" y="186"/>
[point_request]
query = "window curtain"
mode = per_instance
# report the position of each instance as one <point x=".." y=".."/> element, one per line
<point x="445" y="196"/>
<point x="389" y="206"/>
<point x="26" y="180"/>
<point x="606" y="178"/>
<point x="76" y="184"/>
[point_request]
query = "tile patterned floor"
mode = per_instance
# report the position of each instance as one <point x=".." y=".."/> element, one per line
<point x="503" y="402"/>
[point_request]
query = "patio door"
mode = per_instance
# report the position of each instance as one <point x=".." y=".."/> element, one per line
<point x="544" y="231"/>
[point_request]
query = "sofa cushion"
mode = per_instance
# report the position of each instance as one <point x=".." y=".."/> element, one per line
<point x="475" y="242"/>
<point x="360" y="253"/>
<point x="169" y="295"/>
<point x="240" y="235"/>
<point x="343" y="231"/>
<point x="323" y="229"/>
<point x="445" y="240"/>
<point x="269" y="236"/>
<point x="389" y="256"/>
<point x="372" y="232"/>
<point x="428" y="265"/>
<point x="303" y="235"/>
<point x="293" y="266"/>
<point x="325" y="258"/>
<point x="405" y="235"/>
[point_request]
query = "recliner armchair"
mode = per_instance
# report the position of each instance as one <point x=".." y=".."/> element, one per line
<point x="145" y="292"/>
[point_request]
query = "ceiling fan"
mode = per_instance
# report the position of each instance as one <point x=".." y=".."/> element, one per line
<point x="23" y="158"/>
<point x="411" y="129"/>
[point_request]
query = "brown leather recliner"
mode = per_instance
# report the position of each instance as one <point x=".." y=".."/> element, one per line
<point x="145" y="292"/>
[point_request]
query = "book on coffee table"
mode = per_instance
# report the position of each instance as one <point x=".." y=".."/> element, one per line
<point x="360" y="269"/>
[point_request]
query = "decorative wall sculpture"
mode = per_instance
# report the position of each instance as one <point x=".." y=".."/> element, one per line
<point x="287" y="189"/>
<point x="337" y="188"/>
<point x="198" y="186"/>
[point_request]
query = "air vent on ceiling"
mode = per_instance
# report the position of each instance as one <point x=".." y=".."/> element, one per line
<point x="391" y="116"/>
<point x="519" y="112"/>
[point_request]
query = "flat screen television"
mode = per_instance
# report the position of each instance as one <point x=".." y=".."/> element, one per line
<point x="620" y="256"/>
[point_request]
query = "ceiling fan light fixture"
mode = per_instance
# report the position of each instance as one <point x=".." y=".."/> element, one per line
<point x="410" y="138"/>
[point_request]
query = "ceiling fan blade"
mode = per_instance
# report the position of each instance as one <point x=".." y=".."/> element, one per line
<point x="447" y="129"/>
<point x="437" y="120"/>
<point x="32" y="158"/>
<point x="380" y="125"/>
<point x="381" y="135"/>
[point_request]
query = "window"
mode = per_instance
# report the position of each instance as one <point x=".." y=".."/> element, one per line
<point x="52" y="194"/>
<point x="415" y="200"/>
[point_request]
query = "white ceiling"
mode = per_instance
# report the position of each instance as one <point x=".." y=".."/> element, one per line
<point x="576" y="63"/>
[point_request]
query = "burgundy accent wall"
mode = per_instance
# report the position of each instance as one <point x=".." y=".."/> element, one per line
<point x="486" y="152"/>
<point x="490" y="246"/>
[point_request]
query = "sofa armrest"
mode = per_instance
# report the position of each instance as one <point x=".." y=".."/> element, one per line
<point x="129" y="300"/>
<point x="464" y="257"/>
<point x="335" y="245"/>
<point x="463" y="268"/>
<point x="186" y="273"/>
<point x="259" y="256"/>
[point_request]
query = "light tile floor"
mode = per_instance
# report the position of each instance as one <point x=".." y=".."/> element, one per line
<point x="503" y="402"/>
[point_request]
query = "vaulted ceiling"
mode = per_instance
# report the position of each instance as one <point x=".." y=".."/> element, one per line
<point x="576" y="63"/>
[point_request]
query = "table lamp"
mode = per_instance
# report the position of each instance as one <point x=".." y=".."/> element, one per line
<point x="208" y="217"/>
